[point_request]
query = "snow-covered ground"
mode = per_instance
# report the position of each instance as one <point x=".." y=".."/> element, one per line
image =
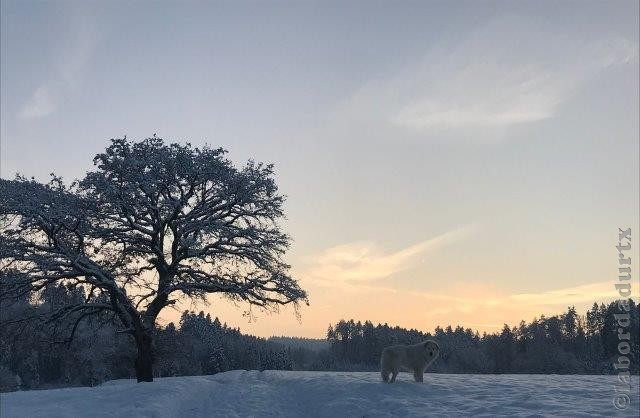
<point x="327" y="394"/>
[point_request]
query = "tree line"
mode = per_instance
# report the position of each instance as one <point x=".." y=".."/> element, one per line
<point x="568" y="343"/>
<point x="32" y="356"/>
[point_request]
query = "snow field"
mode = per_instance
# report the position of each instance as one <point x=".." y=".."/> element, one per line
<point x="242" y="393"/>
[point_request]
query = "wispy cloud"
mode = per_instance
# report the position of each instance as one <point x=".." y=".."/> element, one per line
<point x="466" y="302"/>
<point x="353" y="263"/>
<point x="39" y="105"/>
<point x="73" y="59"/>
<point x="510" y="71"/>
<point x="483" y="306"/>
<point x="585" y="293"/>
<point x="78" y="46"/>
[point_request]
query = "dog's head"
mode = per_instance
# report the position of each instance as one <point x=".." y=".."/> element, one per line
<point x="432" y="349"/>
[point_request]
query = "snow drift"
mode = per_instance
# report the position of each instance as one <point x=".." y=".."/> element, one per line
<point x="327" y="394"/>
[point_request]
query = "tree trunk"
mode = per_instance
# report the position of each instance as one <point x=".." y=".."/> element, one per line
<point x="144" y="361"/>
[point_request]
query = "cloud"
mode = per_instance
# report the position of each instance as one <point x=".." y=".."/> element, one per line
<point x="482" y="306"/>
<point x="568" y="296"/>
<point x="471" y="296"/>
<point x="353" y="263"/>
<point x="78" y="44"/>
<point x="39" y="105"/>
<point x="508" y="72"/>
<point x="351" y="271"/>
<point x="466" y="303"/>
<point x="84" y="36"/>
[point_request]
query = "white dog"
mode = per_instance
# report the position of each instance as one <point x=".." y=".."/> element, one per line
<point x="413" y="358"/>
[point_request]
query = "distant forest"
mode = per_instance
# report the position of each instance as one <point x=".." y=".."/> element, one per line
<point x="32" y="355"/>
<point x="561" y="344"/>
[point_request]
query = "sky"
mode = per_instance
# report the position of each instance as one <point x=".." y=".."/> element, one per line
<point x="464" y="163"/>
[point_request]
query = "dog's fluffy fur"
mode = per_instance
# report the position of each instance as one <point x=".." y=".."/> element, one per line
<point x="413" y="358"/>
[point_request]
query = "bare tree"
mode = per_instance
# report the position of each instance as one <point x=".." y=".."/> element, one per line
<point x="153" y="223"/>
